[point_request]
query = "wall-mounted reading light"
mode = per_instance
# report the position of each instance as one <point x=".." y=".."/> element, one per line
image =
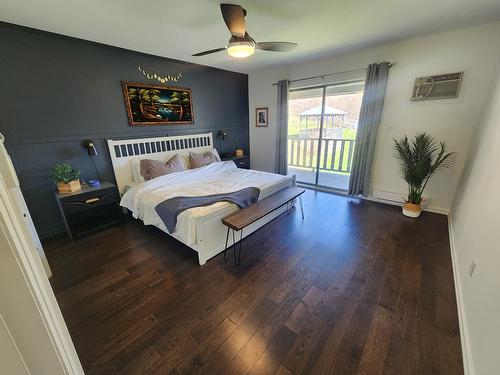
<point x="92" y="151"/>
<point x="222" y="134"/>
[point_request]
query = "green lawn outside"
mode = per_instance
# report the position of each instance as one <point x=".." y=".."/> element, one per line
<point x="346" y="133"/>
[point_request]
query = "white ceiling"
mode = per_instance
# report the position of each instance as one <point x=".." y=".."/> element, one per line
<point x="177" y="29"/>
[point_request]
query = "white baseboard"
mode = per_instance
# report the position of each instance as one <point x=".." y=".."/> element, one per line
<point x="388" y="196"/>
<point x="464" y="332"/>
<point x="396" y="199"/>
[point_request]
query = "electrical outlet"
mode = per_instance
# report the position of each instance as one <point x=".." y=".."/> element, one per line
<point x="472" y="268"/>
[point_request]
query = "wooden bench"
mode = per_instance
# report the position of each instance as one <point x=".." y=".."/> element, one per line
<point x="242" y="218"/>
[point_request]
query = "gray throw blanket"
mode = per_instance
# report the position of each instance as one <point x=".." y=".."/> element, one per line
<point x="169" y="209"/>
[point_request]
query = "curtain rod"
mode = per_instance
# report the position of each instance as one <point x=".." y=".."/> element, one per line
<point x="332" y="74"/>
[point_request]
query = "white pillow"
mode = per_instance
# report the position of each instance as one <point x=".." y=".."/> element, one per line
<point x="135" y="166"/>
<point x="185" y="158"/>
<point x="214" y="151"/>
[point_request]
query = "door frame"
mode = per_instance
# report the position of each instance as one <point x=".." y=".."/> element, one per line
<point x="323" y="87"/>
<point x="320" y="135"/>
<point x="21" y="250"/>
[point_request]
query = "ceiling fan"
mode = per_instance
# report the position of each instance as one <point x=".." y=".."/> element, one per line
<point x="241" y="44"/>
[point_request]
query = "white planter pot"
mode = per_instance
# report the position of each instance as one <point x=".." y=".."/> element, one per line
<point x="411" y="210"/>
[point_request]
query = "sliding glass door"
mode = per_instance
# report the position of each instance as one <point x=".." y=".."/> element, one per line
<point x="303" y="133"/>
<point x="322" y="124"/>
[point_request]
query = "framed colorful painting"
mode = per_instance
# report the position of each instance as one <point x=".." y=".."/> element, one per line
<point x="157" y="105"/>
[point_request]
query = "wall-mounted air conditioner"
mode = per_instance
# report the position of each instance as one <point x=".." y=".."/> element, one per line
<point x="440" y="86"/>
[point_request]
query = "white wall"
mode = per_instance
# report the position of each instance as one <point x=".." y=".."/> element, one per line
<point x="475" y="237"/>
<point x="471" y="49"/>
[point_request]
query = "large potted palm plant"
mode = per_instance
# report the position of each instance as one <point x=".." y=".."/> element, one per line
<point x="420" y="158"/>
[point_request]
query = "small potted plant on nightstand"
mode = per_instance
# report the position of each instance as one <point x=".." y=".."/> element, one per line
<point x="238" y="152"/>
<point x="420" y="158"/>
<point x="67" y="178"/>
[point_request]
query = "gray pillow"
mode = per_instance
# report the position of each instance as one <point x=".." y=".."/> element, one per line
<point x="199" y="160"/>
<point x="154" y="168"/>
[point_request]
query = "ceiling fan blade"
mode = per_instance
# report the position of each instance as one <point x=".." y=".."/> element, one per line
<point x="276" y="46"/>
<point x="209" y="51"/>
<point x="234" y="17"/>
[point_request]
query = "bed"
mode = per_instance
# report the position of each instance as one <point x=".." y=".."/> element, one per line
<point x="200" y="228"/>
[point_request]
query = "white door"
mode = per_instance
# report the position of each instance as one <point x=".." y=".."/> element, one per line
<point x="12" y="362"/>
<point x="12" y="182"/>
<point x="37" y="334"/>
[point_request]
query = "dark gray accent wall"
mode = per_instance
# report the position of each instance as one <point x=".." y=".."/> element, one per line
<point x="57" y="91"/>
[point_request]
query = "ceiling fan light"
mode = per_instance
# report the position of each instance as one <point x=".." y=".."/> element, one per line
<point x="241" y="49"/>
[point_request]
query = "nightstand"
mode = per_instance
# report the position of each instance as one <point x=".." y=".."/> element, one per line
<point x="240" y="161"/>
<point x="89" y="209"/>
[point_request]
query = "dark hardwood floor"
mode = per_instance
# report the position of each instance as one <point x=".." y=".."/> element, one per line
<point x="355" y="288"/>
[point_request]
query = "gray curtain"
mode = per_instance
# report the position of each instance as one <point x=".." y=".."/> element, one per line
<point x="369" y="120"/>
<point x="281" y="164"/>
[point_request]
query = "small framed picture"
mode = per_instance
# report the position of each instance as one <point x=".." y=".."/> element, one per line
<point x="261" y="117"/>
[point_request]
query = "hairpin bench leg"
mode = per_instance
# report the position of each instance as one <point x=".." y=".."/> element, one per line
<point x="301" y="206"/>
<point x="241" y="244"/>
<point x="234" y="246"/>
<point x="225" y="247"/>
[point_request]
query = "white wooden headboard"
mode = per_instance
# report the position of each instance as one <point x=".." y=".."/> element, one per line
<point x="123" y="151"/>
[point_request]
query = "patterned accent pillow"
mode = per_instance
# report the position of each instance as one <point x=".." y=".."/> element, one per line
<point x="154" y="168"/>
<point x="199" y="160"/>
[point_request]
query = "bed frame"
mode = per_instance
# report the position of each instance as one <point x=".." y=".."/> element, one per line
<point x="210" y="232"/>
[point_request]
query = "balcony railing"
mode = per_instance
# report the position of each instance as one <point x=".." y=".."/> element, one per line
<point x="336" y="154"/>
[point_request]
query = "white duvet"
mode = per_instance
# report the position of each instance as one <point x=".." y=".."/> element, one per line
<point x="224" y="177"/>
